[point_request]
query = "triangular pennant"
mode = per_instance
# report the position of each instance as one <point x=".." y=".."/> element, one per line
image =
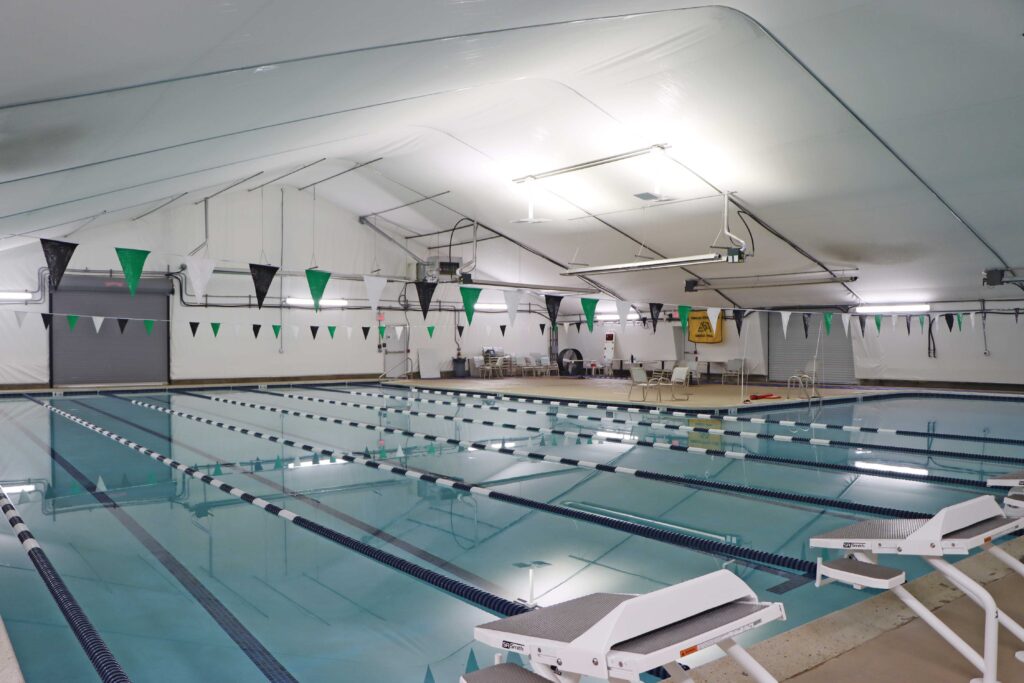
<point x="20" y="317"/>
<point x="374" y="288"/>
<point x="862" y="321"/>
<point x="381" y="329"/>
<point x="827" y="318"/>
<point x="893" y="318"/>
<point x="502" y="328"/>
<point x="460" y="329"/>
<point x="101" y="486"/>
<point x="512" y="297"/>
<point x="425" y="292"/>
<point x="47" y="319"/>
<point x="262" y="276"/>
<point x="589" y="308"/>
<point x="429" y="678"/>
<point x="623" y="309"/>
<point x="878" y="323"/>
<point x="960" y="322"/>
<point x="713" y="316"/>
<point x="366" y="332"/>
<point x="57" y="255"/>
<point x="313" y="329"/>
<point x="948" y="317"/>
<point x="846" y="323"/>
<point x="684" y="317"/>
<point x="317" y="281"/>
<point x="430" y="331"/>
<point x="331" y="329"/>
<point x="471" y="664"/>
<point x="655" y="314"/>
<point x="132" y="263"/>
<point x="256" y="327"/>
<point x="469" y="299"/>
<point x="216" y="328"/>
<point x="908" y="324"/>
<point x="552" y="303"/>
<point x="277" y="330"/>
<point x="399" y="329"/>
<point x="565" y="326"/>
<point x="738" y="315"/>
<point x="149" y="326"/>
<point x="72" y="321"/>
<point x="543" y="328"/>
<point x="971" y="316"/>
<point x="121" y="323"/>
<point x="97" y="322"/>
<point x="806" y="317"/>
<point x="194" y="326"/>
<point x="785" y="321"/>
<point x="578" y="326"/>
<point x="199" y="271"/>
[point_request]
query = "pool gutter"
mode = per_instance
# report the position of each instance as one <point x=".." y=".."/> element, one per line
<point x="10" y="672"/>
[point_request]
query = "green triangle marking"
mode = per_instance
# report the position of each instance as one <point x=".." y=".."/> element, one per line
<point x="381" y="330"/>
<point x="149" y="326"/>
<point x="277" y="330"/>
<point x="684" y="316"/>
<point x="72" y="321"/>
<point x="258" y="467"/>
<point x="470" y="295"/>
<point x="589" y="307"/>
<point x="430" y="331"/>
<point x="920" y="319"/>
<point x="215" y="327"/>
<point x="317" y="280"/>
<point x="382" y="453"/>
<point x="217" y="471"/>
<point x="471" y="664"/>
<point x="431" y="449"/>
<point x="828" y="322"/>
<point x="277" y="463"/>
<point x="878" y="323"/>
<point x="132" y="262"/>
<point x="331" y="329"/>
<point x="960" y="321"/>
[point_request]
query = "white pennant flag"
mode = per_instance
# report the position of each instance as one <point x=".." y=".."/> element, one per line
<point x="512" y="304"/>
<point x="199" y="271"/>
<point x="846" y="323"/>
<point x="97" y="322"/>
<point x="374" y="288"/>
<point x="399" y="329"/>
<point x="893" y="318"/>
<point x="20" y="315"/>
<point x="623" y="307"/>
<point x="713" y="314"/>
<point x="399" y="453"/>
<point x="566" y="327"/>
<point x="101" y="485"/>
<point x="785" y="321"/>
<point x="971" y="314"/>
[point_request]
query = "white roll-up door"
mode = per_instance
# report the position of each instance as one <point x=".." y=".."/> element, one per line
<point x="792" y="353"/>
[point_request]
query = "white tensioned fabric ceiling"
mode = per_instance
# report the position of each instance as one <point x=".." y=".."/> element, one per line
<point x="875" y="139"/>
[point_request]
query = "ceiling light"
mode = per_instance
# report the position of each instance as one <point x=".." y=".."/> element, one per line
<point x="860" y="464"/>
<point x="756" y="282"/>
<point x="894" y="308"/>
<point x="657" y="149"/>
<point x="530" y="218"/>
<point x="324" y="303"/>
<point x="615" y="316"/>
<point x="491" y="307"/>
<point x="15" y="296"/>
<point x="650" y="265"/>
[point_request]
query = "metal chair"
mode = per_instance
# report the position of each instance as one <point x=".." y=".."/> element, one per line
<point x="638" y="378"/>
<point x="547" y="367"/>
<point x="733" y="368"/>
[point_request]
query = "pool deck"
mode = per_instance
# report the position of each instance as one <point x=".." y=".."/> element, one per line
<point x="10" y="672"/>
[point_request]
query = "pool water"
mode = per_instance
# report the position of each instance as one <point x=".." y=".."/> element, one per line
<point x="183" y="580"/>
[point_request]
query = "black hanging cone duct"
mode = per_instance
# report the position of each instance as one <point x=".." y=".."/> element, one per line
<point x="262" y="276"/>
<point x="552" y="302"/>
<point x="655" y="314"/>
<point x="57" y="255"/>
<point x="425" y="291"/>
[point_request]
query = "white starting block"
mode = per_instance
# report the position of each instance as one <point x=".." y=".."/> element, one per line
<point x="955" y="530"/>
<point x="1013" y="502"/>
<point x="617" y="637"/>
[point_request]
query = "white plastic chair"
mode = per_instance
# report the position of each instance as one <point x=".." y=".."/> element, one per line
<point x="638" y="378"/>
<point x="694" y="376"/>
<point x="680" y="378"/>
<point x="733" y="368"/>
<point x="547" y="367"/>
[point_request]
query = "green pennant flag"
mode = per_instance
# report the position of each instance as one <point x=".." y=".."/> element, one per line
<point x="317" y="280"/>
<point x="149" y="326"/>
<point x="381" y="329"/>
<point x="215" y="327"/>
<point x="589" y="306"/>
<point x="278" y="464"/>
<point x="469" y="298"/>
<point x="920" y="319"/>
<point x="132" y="261"/>
<point x="960" y="322"/>
<point x="72" y="321"/>
<point x="217" y="471"/>
<point x="827" y="316"/>
<point x="331" y="329"/>
<point x="277" y="330"/>
<point x="684" y="317"/>
<point x="430" y="331"/>
<point x="878" y="323"/>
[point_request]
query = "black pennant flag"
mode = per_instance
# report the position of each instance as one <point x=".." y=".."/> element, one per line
<point x="578" y="326"/>
<point x="807" y="321"/>
<point x="47" y="319"/>
<point x="655" y="313"/>
<point x="738" y="315"/>
<point x="502" y="328"/>
<point x="366" y="333"/>
<point x="57" y="255"/>
<point x="256" y="331"/>
<point x="552" y="302"/>
<point x="863" y="321"/>
<point x="425" y="291"/>
<point x="543" y="328"/>
<point x="194" y="326"/>
<point x="314" y="329"/>
<point x="123" y="322"/>
<point x="262" y="276"/>
<point x="908" y="324"/>
<point x="948" y="317"/>
<point x="460" y="328"/>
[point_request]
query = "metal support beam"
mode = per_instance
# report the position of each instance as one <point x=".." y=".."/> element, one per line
<point x="167" y="203"/>
<point x="593" y="163"/>
<point x="368" y="223"/>
<point x="300" y="168"/>
<point x="347" y="170"/>
<point x="402" y="206"/>
<point x="225" y="189"/>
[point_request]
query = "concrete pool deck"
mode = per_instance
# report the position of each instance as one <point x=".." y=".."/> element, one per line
<point x="10" y="672"/>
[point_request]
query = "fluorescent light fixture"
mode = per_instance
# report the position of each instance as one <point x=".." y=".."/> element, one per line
<point x="19" y="488"/>
<point x="757" y="283"/>
<point x="648" y="265"/>
<point x="491" y="307"/>
<point x="615" y="435"/>
<point x="15" y="296"/>
<point x="877" y="466"/>
<point x="324" y="303"/>
<point x="615" y="316"/>
<point x="893" y="308"/>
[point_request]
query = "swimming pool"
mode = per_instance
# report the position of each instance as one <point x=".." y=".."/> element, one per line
<point x="187" y="581"/>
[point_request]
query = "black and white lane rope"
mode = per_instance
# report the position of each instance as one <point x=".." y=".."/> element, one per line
<point x="806" y="440"/>
<point x="478" y="597"/>
<point x="703" y="545"/>
<point x="648" y="443"/>
<point x="103" y="661"/>
<point x="683" y="480"/>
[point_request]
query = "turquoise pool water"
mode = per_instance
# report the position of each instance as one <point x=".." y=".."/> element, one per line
<point x="152" y="571"/>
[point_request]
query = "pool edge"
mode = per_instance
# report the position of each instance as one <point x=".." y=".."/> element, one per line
<point x="10" y="671"/>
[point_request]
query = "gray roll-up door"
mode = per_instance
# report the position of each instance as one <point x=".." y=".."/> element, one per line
<point x="791" y="354"/>
<point x="84" y="356"/>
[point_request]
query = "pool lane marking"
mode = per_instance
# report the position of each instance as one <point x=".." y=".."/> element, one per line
<point x="477" y="596"/>
<point x="709" y="547"/>
<point x="248" y="643"/>
<point x="102" y="659"/>
<point x="519" y="398"/>
<point x="377" y="532"/>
